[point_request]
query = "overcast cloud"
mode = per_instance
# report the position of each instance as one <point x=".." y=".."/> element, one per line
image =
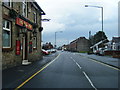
<point x="76" y="20"/>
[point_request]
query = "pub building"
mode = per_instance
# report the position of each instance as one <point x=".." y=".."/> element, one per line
<point x="21" y="33"/>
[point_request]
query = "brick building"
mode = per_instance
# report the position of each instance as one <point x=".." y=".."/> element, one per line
<point x="80" y="45"/>
<point x="73" y="46"/>
<point x="21" y="33"/>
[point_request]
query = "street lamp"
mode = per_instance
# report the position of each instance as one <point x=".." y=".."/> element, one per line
<point x="45" y="19"/>
<point x="101" y="15"/>
<point x="55" y="37"/>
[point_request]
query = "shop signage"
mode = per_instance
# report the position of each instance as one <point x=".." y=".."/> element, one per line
<point x="21" y="22"/>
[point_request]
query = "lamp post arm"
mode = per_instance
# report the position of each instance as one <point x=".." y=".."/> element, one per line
<point x="93" y="6"/>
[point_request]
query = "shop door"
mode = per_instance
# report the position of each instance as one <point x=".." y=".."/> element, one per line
<point x="24" y="45"/>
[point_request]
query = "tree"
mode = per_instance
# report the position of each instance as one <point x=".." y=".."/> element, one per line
<point x="99" y="36"/>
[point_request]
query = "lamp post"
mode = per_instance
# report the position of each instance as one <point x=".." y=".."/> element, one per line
<point x="101" y="17"/>
<point x="55" y="37"/>
<point x="101" y="14"/>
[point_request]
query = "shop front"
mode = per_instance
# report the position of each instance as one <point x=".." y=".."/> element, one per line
<point x="24" y="42"/>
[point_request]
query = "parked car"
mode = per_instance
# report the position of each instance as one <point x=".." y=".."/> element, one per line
<point x="51" y="50"/>
<point x="100" y="51"/>
<point x="44" y="52"/>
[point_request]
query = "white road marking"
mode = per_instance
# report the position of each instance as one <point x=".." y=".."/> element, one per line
<point x="78" y="65"/>
<point x="73" y="59"/>
<point x="89" y="80"/>
<point x="85" y="74"/>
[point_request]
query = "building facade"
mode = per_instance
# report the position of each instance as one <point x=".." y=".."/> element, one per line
<point x="80" y="45"/>
<point x="73" y="46"/>
<point x="114" y="44"/>
<point x="113" y="47"/>
<point x="21" y="33"/>
<point x="83" y="44"/>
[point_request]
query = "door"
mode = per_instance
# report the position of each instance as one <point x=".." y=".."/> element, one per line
<point x="24" y="47"/>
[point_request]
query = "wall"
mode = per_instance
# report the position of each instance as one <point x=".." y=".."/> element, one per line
<point x="83" y="45"/>
<point x="10" y="59"/>
<point x="0" y="46"/>
<point x="115" y="53"/>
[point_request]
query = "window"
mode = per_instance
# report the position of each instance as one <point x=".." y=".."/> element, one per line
<point x="35" y="17"/>
<point x="24" y="8"/>
<point x="6" y="36"/>
<point x="7" y="2"/>
<point x="34" y="42"/>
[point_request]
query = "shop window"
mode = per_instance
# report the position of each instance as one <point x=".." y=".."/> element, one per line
<point x="6" y="36"/>
<point x="35" y="17"/>
<point x="34" y="42"/>
<point x="7" y="3"/>
<point x="24" y="3"/>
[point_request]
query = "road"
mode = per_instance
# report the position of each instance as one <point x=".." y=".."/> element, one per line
<point x="70" y="70"/>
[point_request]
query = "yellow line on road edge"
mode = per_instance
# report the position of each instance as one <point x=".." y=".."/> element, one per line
<point x="101" y="63"/>
<point x="36" y="73"/>
<point x="105" y="64"/>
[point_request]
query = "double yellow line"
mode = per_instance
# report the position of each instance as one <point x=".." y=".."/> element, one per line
<point x="36" y="73"/>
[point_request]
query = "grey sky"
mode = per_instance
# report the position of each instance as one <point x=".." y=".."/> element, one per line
<point x="76" y="20"/>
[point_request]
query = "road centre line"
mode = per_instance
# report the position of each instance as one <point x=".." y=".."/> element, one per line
<point x="73" y="59"/>
<point x="76" y="63"/>
<point x="89" y="80"/>
<point x="85" y="74"/>
<point x="36" y="73"/>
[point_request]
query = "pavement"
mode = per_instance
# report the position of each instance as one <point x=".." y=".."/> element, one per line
<point x="115" y="62"/>
<point x="14" y="76"/>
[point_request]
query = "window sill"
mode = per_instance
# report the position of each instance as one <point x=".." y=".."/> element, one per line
<point x="34" y="48"/>
<point x="7" y="49"/>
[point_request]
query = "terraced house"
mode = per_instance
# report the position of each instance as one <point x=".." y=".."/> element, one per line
<point x="21" y="32"/>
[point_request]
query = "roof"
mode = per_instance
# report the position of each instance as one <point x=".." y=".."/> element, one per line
<point x="39" y="8"/>
<point x="80" y="38"/>
<point x="102" y="41"/>
<point x="116" y="39"/>
<point x="35" y="4"/>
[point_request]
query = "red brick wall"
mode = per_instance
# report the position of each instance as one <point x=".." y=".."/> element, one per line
<point x="113" y="53"/>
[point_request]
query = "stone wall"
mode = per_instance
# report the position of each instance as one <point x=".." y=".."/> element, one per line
<point x="10" y="59"/>
<point x="0" y="46"/>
